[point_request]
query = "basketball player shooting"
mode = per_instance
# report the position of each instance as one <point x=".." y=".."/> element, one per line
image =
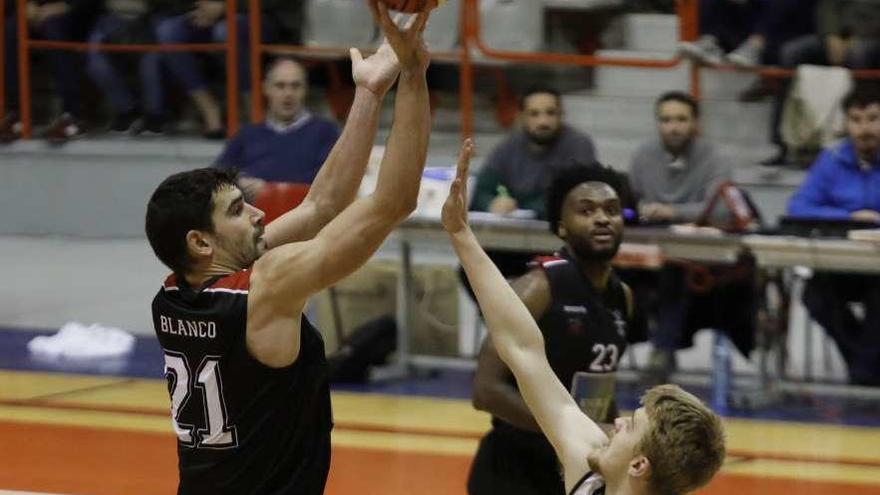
<point x="246" y="371"/>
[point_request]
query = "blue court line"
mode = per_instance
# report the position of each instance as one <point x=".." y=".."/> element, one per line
<point x="146" y="361"/>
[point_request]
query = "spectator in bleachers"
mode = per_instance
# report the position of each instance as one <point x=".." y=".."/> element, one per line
<point x="202" y="21"/>
<point x="515" y="176"/>
<point x="778" y="22"/>
<point x="517" y="172"/>
<point x="54" y="20"/>
<point x="128" y="21"/>
<point x="748" y="32"/>
<point x="673" y="175"/>
<point x="724" y="26"/>
<point x="844" y="183"/>
<point x="292" y="144"/>
<point x="10" y="126"/>
<point x="848" y="36"/>
<point x="284" y="20"/>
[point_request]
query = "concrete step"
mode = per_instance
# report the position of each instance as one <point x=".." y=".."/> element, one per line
<point x="617" y="151"/>
<point x="629" y="81"/>
<point x="657" y="32"/>
<point x="720" y="119"/>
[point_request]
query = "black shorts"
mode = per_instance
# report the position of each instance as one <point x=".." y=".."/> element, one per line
<point x="515" y="462"/>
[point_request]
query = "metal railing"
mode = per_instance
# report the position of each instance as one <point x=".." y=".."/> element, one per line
<point x="470" y="44"/>
<point x="26" y="44"/>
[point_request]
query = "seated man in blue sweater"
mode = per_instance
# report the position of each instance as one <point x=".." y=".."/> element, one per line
<point x="844" y="183"/>
<point x="291" y="145"/>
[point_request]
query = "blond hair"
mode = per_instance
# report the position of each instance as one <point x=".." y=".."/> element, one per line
<point x="684" y="441"/>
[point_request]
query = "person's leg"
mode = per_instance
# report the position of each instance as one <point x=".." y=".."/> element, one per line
<point x="670" y="312"/>
<point x="782" y="21"/>
<point x="218" y="34"/>
<point x="864" y="367"/>
<point x="184" y="68"/>
<point x="10" y="126"/>
<point x="672" y="305"/>
<point x="66" y="65"/>
<point x="102" y="71"/>
<point x="711" y="17"/>
<point x="152" y="92"/>
<point x="809" y="49"/>
<point x="735" y="22"/>
<point x="707" y="48"/>
<point x="10" y="47"/>
<point x="826" y="299"/>
<point x="10" y="68"/>
<point x="864" y="53"/>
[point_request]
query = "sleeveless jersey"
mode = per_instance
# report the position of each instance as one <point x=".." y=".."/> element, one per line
<point x="583" y="330"/>
<point x="242" y="427"/>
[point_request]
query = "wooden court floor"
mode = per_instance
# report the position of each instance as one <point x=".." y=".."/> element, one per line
<point x="92" y="435"/>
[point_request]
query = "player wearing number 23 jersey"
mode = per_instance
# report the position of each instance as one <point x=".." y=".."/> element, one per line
<point x="673" y="444"/>
<point x="583" y="311"/>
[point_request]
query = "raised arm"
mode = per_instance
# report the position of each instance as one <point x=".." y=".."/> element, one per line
<point x="494" y="390"/>
<point x="519" y="342"/>
<point x="286" y="276"/>
<point x="340" y="176"/>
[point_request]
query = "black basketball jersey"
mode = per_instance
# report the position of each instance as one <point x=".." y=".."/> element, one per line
<point x="583" y="330"/>
<point x="242" y="427"/>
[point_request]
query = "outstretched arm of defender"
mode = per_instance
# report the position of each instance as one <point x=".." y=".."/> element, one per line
<point x="286" y="276"/>
<point x="518" y="339"/>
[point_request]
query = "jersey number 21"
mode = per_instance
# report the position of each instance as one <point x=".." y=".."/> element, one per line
<point x="213" y="433"/>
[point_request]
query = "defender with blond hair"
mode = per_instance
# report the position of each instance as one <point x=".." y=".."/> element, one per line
<point x="671" y="445"/>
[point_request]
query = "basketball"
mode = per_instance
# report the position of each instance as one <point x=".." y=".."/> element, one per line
<point x="411" y="6"/>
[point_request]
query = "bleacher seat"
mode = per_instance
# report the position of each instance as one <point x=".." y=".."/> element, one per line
<point x="339" y="23"/>
<point x="442" y="33"/>
<point x="277" y="198"/>
<point x="513" y="25"/>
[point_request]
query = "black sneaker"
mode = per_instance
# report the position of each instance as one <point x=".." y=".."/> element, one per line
<point x="125" y="123"/>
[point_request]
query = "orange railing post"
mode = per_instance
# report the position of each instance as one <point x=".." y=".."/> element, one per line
<point x="24" y="69"/>
<point x="231" y="68"/>
<point x="25" y="45"/>
<point x="688" y="12"/>
<point x="689" y="30"/>
<point x="466" y="71"/>
<point x="256" y="51"/>
<point x="561" y="58"/>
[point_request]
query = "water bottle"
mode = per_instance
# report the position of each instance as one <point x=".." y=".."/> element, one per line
<point x="720" y="372"/>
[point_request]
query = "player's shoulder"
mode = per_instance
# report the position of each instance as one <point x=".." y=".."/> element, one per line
<point x="533" y="287"/>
